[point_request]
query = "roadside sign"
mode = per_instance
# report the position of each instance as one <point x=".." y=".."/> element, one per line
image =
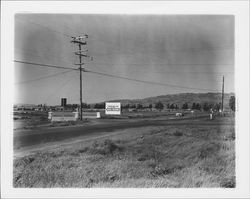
<point x="113" y="108"/>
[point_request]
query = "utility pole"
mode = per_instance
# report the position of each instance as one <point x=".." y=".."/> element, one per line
<point x="222" y="97"/>
<point x="80" y="41"/>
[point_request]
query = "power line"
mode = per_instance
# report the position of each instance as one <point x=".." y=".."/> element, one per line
<point x="190" y="74"/>
<point x="147" y="82"/>
<point x="46" y="65"/>
<point x="137" y="64"/>
<point x="176" y="64"/>
<point x="142" y="70"/>
<point x="46" y="56"/>
<point x="143" y="64"/>
<point x="165" y="71"/>
<point x="45" y="77"/>
<point x="185" y="50"/>
<point x="45" y="27"/>
<point x="216" y="48"/>
<point x="54" y="66"/>
<point x="117" y="76"/>
<point x="58" y="89"/>
<point x="192" y="49"/>
<point x="160" y="64"/>
<point x="225" y="47"/>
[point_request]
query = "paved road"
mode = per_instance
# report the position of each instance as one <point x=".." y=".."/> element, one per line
<point x="26" y="138"/>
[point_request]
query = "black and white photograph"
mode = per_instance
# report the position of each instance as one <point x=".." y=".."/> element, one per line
<point x="124" y="101"/>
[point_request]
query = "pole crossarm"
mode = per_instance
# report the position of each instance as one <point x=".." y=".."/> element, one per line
<point x="83" y="69"/>
<point x="79" y="42"/>
<point x="83" y="51"/>
<point x="79" y="54"/>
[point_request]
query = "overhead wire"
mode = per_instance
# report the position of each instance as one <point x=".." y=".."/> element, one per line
<point x="46" y="56"/>
<point x="225" y="47"/>
<point x="116" y="76"/>
<point x="165" y="71"/>
<point x="147" y="82"/>
<point x="58" y="89"/>
<point x="172" y="64"/>
<point x="215" y="78"/>
<point x="215" y="48"/>
<point x="44" y="77"/>
<point x="46" y="65"/>
<point x="27" y="20"/>
<point x="184" y="50"/>
<point x="143" y="64"/>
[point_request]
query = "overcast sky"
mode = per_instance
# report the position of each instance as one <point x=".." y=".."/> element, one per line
<point x="188" y="51"/>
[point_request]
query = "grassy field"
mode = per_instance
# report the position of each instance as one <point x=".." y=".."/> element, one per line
<point x="165" y="156"/>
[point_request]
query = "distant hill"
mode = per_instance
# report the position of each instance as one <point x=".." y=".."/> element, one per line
<point x="180" y="99"/>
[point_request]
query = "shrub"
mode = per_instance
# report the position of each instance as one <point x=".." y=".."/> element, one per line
<point x="110" y="146"/>
<point x="104" y="148"/>
<point x="178" y="133"/>
<point x="24" y="161"/>
<point x="141" y="158"/>
<point x="161" y="170"/>
<point x="79" y="151"/>
<point x="228" y="183"/>
<point x="209" y="150"/>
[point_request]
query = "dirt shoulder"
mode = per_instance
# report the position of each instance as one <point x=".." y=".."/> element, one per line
<point x="31" y="141"/>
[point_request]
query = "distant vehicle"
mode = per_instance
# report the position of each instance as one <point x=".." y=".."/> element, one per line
<point x="179" y="114"/>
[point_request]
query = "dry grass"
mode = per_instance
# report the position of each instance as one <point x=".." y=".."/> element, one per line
<point x="172" y="156"/>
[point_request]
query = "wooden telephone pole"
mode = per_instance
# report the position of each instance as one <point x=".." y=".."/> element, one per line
<point x="222" y="97"/>
<point x="80" y="41"/>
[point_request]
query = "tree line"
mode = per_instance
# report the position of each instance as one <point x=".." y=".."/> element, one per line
<point x="171" y="106"/>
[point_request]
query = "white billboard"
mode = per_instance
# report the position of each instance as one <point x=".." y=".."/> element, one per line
<point x="113" y="108"/>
